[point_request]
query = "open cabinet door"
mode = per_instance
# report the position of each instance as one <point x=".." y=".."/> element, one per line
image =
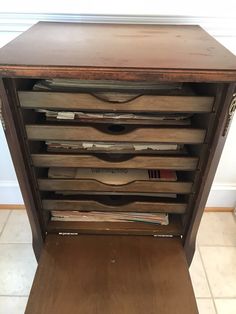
<point x="112" y="275"/>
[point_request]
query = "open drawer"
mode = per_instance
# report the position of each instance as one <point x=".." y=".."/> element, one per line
<point x="112" y="274"/>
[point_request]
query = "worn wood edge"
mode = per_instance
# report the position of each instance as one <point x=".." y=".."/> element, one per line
<point x="124" y="74"/>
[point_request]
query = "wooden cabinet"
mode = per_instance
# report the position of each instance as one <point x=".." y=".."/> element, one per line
<point x="152" y="98"/>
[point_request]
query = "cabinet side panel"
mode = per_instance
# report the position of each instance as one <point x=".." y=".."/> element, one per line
<point x="15" y="140"/>
<point x="216" y="145"/>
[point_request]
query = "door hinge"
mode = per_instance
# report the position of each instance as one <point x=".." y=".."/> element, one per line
<point x="1" y="117"/>
<point x="231" y="111"/>
<point x="163" y="236"/>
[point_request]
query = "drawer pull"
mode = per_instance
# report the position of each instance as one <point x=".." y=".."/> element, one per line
<point x="116" y="128"/>
<point x="132" y="162"/>
<point x="116" y="98"/>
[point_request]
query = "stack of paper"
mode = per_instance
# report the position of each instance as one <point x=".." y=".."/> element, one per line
<point x="95" y="117"/>
<point x="109" y="147"/>
<point x="93" y="216"/>
<point x="112" y="176"/>
<point x="100" y="85"/>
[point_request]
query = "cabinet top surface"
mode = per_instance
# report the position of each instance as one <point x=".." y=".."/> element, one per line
<point x="116" y="46"/>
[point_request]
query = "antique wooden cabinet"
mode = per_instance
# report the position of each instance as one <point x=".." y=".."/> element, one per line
<point x="125" y="99"/>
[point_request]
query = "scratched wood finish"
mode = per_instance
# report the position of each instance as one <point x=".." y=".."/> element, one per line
<point x="91" y="161"/>
<point x="144" y="103"/>
<point x="49" y="44"/>
<point x="82" y="185"/>
<point x="112" y="274"/>
<point x="87" y="133"/>
<point x="135" y="206"/>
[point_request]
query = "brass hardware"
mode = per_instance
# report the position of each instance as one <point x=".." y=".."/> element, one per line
<point x="231" y="111"/>
<point x="1" y="117"/>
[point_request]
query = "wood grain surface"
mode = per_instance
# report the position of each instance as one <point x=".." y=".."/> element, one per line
<point x="144" y="103"/>
<point x="117" y="46"/>
<point x="141" y="135"/>
<point x="134" y="206"/>
<point x="112" y="274"/>
<point x="83" y="185"/>
<point x="91" y="161"/>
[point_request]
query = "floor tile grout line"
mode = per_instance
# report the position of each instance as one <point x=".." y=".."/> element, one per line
<point x="7" y="243"/>
<point x="208" y="282"/>
<point x="215" y="245"/>
<point x="225" y="298"/>
<point x="4" y="225"/>
<point x="204" y="298"/>
<point x="13" y="296"/>
<point x="216" y="298"/>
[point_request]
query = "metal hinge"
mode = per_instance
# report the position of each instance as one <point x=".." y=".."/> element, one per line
<point x="163" y="236"/>
<point x="68" y="233"/>
<point x="1" y="117"/>
<point x="231" y="111"/>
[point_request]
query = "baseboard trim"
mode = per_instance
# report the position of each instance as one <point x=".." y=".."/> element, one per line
<point x="207" y="209"/>
<point x="11" y="206"/>
<point x="219" y="209"/>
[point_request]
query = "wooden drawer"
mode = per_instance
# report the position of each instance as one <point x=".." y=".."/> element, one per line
<point x="141" y="135"/>
<point x="88" y="102"/>
<point x="87" y="185"/>
<point x="174" y="228"/>
<point x="124" y="204"/>
<point x="91" y="161"/>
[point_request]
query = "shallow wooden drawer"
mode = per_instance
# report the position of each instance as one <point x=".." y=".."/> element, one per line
<point x="84" y="102"/>
<point x="123" y="204"/>
<point x="141" y="135"/>
<point x="87" y="185"/>
<point x="91" y="161"/>
<point x="112" y="274"/>
<point x="174" y="228"/>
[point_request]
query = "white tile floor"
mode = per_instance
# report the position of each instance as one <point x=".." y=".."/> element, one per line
<point x="213" y="270"/>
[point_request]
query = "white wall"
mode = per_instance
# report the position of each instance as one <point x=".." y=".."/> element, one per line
<point x="9" y="189"/>
<point x="154" y="7"/>
<point x="218" y="18"/>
